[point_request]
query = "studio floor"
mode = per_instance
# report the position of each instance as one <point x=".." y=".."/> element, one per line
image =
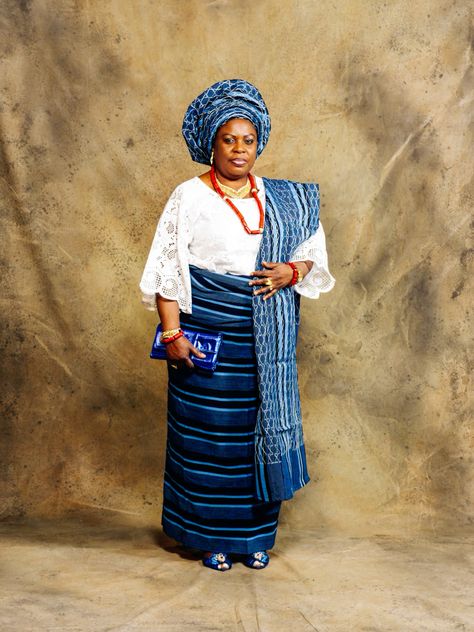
<point x="80" y="575"/>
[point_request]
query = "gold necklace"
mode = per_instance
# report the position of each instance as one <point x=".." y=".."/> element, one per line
<point x="236" y="193"/>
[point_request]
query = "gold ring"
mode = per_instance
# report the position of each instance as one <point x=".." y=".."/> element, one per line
<point x="174" y="366"/>
<point x="269" y="282"/>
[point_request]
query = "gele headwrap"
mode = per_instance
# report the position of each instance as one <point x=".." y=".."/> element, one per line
<point x="231" y="98"/>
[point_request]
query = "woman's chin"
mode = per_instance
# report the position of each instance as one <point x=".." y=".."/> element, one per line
<point x="234" y="172"/>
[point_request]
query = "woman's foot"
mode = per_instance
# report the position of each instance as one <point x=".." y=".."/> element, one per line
<point x="216" y="560"/>
<point x="259" y="559"/>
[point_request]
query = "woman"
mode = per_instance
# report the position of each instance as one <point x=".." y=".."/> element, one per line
<point x="233" y="253"/>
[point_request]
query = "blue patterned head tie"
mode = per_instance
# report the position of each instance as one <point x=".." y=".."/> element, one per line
<point x="224" y="100"/>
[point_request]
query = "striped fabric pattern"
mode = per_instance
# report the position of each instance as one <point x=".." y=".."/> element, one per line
<point x="291" y="216"/>
<point x="209" y="499"/>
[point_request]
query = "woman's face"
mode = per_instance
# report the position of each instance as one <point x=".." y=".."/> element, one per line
<point x="235" y="149"/>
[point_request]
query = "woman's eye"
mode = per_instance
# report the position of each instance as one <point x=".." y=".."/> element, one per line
<point x="228" y="140"/>
<point x="249" y="141"/>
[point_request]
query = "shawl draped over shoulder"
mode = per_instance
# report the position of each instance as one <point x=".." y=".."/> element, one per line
<point x="291" y="216"/>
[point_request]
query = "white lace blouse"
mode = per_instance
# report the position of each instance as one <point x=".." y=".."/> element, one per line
<point x="197" y="227"/>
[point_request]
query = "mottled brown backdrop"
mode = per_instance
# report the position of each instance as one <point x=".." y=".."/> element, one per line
<point x="372" y="100"/>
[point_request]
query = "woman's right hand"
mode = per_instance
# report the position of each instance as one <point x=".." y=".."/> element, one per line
<point x="179" y="351"/>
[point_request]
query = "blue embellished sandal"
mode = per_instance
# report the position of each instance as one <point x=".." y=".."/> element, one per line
<point x="215" y="560"/>
<point x="259" y="559"/>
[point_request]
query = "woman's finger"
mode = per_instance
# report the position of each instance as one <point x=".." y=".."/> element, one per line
<point x="266" y="289"/>
<point x="195" y="351"/>
<point x="263" y="281"/>
<point x="270" y="294"/>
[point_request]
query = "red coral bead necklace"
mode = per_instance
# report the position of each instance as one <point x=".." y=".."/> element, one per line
<point x="226" y="198"/>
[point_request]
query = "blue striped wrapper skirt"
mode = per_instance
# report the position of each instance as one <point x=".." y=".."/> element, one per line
<point x="209" y="495"/>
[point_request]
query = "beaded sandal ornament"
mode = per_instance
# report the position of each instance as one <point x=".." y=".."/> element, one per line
<point x="214" y="560"/>
<point x="258" y="556"/>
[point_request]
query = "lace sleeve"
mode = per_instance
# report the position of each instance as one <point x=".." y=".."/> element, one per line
<point x="167" y="270"/>
<point x="318" y="279"/>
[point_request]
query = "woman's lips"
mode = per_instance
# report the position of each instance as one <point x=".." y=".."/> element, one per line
<point x="238" y="162"/>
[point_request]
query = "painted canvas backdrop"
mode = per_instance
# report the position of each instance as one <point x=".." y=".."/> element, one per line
<point x="374" y="101"/>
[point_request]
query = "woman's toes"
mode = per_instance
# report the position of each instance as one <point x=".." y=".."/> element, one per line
<point x="224" y="565"/>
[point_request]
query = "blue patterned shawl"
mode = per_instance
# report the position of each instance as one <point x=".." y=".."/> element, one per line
<point x="291" y="216"/>
<point x="224" y="100"/>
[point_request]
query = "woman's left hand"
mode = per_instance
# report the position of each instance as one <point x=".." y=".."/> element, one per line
<point x="279" y="273"/>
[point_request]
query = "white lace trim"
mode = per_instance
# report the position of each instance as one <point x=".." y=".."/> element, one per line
<point x="318" y="279"/>
<point x="166" y="270"/>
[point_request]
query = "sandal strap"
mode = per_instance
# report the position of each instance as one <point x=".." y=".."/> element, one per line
<point x="214" y="560"/>
<point x="258" y="556"/>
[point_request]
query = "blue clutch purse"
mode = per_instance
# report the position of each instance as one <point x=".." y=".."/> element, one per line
<point x="205" y="342"/>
